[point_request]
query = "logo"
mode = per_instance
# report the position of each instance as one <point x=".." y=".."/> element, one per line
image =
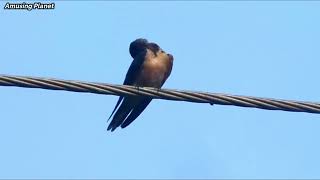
<point x="29" y="6"/>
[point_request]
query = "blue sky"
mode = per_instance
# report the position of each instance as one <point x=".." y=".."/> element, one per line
<point x="264" y="49"/>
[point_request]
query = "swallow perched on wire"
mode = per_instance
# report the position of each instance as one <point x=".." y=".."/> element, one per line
<point x="151" y="66"/>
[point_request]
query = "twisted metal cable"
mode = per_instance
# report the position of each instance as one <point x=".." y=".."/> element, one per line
<point x="168" y="94"/>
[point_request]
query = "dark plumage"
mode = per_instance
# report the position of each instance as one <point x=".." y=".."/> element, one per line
<point x="150" y="67"/>
<point x="137" y="46"/>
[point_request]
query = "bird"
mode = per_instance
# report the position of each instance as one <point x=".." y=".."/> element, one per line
<point x="151" y="67"/>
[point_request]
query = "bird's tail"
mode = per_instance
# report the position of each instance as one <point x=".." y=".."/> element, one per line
<point x="121" y="114"/>
<point x="135" y="112"/>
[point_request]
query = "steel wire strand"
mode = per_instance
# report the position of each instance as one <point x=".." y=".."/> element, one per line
<point x="168" y="94"/>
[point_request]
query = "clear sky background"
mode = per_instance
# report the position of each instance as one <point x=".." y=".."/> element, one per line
<point x="264" y="49"/>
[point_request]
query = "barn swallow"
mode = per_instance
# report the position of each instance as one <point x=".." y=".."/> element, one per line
<point x="151" y="67"/>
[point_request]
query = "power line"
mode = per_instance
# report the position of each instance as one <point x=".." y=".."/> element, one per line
<point x="168" y="94"/>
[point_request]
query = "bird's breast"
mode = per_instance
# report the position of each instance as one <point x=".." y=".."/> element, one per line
<point x="153" y="72"/>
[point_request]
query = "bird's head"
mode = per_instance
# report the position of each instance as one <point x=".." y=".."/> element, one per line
<point x="141" y="45"/>
<point x="138" y="46"/>
<point x="157" y="51"/>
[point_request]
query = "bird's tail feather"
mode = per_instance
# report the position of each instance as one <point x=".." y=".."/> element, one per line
<point x="135" y="112"/>
<point x="115" y="108"/>
<point x="120" y="116"/>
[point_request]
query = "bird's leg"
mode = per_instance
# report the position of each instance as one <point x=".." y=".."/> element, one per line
<point x="137" y="86"/>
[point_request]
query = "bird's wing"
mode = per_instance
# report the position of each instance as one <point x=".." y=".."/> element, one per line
<point x="131" y="76"/>
<point x="134" y="68"/>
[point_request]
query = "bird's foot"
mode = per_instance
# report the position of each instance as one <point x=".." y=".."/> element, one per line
<point x="138" y="88"/>
<point x="158" y="89"/>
